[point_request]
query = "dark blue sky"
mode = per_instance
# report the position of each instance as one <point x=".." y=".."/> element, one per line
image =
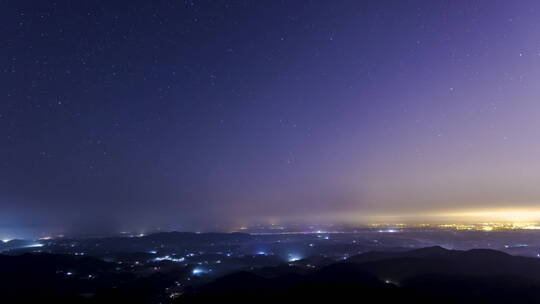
<point x="205" y="114"/>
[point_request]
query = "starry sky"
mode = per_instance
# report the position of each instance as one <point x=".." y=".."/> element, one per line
<point x="205" y="114"/>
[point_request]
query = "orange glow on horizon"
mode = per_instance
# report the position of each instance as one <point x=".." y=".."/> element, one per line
<point x="500" y="215"/>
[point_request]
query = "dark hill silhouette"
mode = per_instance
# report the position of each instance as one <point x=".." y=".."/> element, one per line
<point x="54" y="278"/>
<point x="425" y="275"/>
<point x="477" y="289"/>
<point x="480" y="262"/>
<point x="337" y="282"/>
<point x="384" y="255"/>
<point x="37" y="276"/>
<point x="428" y="275"/>
<point x="280" y="270"/>
<point x="345" y="272"/>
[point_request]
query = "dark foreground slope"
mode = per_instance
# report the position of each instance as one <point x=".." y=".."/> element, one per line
<point x="336" y="283"/>
<point x="429" y="275"/>
<point x="55" y="278"/>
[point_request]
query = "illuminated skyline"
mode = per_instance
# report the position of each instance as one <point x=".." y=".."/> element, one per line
<point x="204" y="114"/>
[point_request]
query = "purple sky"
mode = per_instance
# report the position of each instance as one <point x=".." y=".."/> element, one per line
<point x="204" y="114"/>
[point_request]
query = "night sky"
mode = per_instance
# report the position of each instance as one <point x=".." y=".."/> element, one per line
<point x="207" y="114"/>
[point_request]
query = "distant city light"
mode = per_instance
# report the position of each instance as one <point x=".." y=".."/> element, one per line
<point x="293" y="257"/>
<point x="389" y="231"/>
<point x="169" y="258"/>
<point x="198" y="271"/>
<point x="34" y="245"/>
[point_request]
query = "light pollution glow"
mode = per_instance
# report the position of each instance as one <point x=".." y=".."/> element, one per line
<point x="317" y="121"/>
<point x="495" y="215"/>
